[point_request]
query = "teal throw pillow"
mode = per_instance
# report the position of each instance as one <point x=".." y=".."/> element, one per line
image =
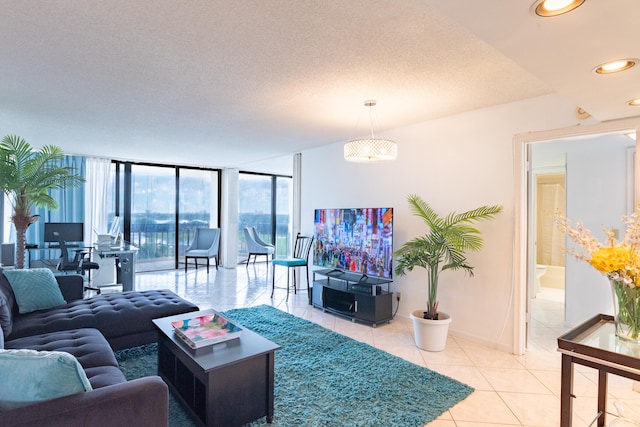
<point x="35" y="289"/>
<point x="29" y="376"/>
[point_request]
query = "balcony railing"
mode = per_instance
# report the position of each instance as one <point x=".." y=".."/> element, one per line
<point x="156" y="240"/>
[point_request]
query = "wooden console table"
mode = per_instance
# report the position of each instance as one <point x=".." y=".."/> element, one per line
<point x="594" y="344"/>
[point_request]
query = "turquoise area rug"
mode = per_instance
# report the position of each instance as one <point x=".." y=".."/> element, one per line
<point x="323" y="378"/>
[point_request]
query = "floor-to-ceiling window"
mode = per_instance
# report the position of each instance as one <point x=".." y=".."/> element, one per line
<point x="254" y="208"/>
<point x="198" y="204"/>
<point x="153" y="211"/>
<point x="283" y="202"/>
<point x="264" y="202"/>
<point x="161" y="206"/>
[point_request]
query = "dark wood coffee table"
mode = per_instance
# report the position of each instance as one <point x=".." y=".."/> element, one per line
<point x="228" y="384"/>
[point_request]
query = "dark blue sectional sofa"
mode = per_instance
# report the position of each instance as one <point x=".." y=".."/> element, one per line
<point x="90" y="329"/>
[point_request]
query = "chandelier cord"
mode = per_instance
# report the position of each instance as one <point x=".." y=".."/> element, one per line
<point x="373" y="135"/>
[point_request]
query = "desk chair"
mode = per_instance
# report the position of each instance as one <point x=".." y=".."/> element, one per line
<point x="299" y="258"/>
<point x="80" y="263"/>
<point x="206" y="244"/>
<point x="255" y="246"/>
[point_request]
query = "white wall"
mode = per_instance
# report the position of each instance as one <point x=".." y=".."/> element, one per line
<point x="596" y="177"/>
<point x="455" y="163"/>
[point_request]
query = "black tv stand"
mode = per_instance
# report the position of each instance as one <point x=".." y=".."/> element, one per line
<point x="353" y="295"/>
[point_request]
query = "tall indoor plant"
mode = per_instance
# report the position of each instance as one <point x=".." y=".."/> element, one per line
<point x="442" y="247"/>
<point x="26" y="176"/>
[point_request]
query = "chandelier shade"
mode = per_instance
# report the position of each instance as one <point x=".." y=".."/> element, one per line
<point x="369" y="150"/>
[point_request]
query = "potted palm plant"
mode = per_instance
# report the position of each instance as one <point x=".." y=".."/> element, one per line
<point x="443" y="247"/>
<point x="26" y="176"/>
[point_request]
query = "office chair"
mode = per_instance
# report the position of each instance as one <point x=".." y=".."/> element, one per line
<point x="80" y="263"/>
<point x="255" y="246"/>
<point x="205" y="244"/>
<point x="299" y="258"/>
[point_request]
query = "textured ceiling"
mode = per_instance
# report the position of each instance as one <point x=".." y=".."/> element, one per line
<point x="226" y="83"/>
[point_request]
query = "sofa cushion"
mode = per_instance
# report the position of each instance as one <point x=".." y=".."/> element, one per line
<point x="88" y="346"/>
<point x="35" y="289"/>
<point x="29" y="376"/>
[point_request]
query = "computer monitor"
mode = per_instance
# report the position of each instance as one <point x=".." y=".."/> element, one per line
<point x="69" y="231"/>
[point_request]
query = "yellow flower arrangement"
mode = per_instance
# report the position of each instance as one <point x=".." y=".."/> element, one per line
<point x="619" y="261"/>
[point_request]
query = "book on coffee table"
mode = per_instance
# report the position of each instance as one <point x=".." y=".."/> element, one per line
<point x="204" y="330"/>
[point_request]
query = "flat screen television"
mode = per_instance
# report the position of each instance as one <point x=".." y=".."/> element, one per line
<point x="69" y="231"/>
<point x="356" y="240"/>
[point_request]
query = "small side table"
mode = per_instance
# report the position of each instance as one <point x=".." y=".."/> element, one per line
<point x="594" y="344"/>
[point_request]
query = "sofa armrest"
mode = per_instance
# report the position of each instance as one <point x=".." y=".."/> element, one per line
<point x="140" y="402"/>
<point x="71" y="286"/>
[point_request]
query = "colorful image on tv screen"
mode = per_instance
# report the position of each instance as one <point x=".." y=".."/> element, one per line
<point x="355" y="240"/>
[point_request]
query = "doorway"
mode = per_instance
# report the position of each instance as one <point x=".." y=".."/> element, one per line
<point x="547" y="195"/>
<point x="598" y="190"/>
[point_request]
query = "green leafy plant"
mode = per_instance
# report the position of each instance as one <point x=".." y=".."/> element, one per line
<point x="26" y="176"/>
<point x="443" y="247"/>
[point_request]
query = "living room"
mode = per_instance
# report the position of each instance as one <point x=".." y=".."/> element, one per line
<point x="456" y="158"/>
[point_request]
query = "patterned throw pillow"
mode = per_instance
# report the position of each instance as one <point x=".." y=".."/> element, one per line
<point x="35" y="289"/>
<point x="29" y="376"/>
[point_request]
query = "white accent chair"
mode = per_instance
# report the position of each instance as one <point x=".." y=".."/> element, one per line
<point x="206" y="244"/>
<point x="255" y="246"/>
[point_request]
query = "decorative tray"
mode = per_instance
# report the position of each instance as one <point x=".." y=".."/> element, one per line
<point x="205" y="330"/>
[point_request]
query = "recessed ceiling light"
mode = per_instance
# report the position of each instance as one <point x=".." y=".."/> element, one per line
<point x="547" y="8"/>
<point x="615" y="66"/>
<point x="634" y="102"/>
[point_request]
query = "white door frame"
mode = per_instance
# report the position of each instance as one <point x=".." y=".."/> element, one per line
<point x="520" y="149"/>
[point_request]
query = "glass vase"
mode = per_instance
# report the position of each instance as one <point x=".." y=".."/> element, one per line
<point x="626" y="311"/>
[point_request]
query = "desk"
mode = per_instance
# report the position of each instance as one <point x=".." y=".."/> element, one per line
<point x="594" y="344"/>
<point x="125" y="257"/>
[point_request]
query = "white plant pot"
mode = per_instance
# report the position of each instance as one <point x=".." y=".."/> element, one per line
<point x="430" y="335"/>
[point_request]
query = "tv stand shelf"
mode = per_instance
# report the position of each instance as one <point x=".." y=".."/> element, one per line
<point x="353" y="295"/>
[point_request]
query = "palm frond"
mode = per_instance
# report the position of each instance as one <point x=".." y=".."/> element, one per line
<point x="445" y="243"/>
<point x="421" y="209"/>
<point x="27" y="175"/>
<point x="464" y="238"/>
<point x="478" y="214"/>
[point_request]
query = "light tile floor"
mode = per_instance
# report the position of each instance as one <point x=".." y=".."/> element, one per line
<point x="511" y="390"/>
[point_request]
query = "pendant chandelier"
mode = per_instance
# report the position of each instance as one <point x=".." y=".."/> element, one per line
<point x="369" y="150"/>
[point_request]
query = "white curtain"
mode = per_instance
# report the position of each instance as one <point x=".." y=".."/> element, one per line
<point x="96" y="201"/>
